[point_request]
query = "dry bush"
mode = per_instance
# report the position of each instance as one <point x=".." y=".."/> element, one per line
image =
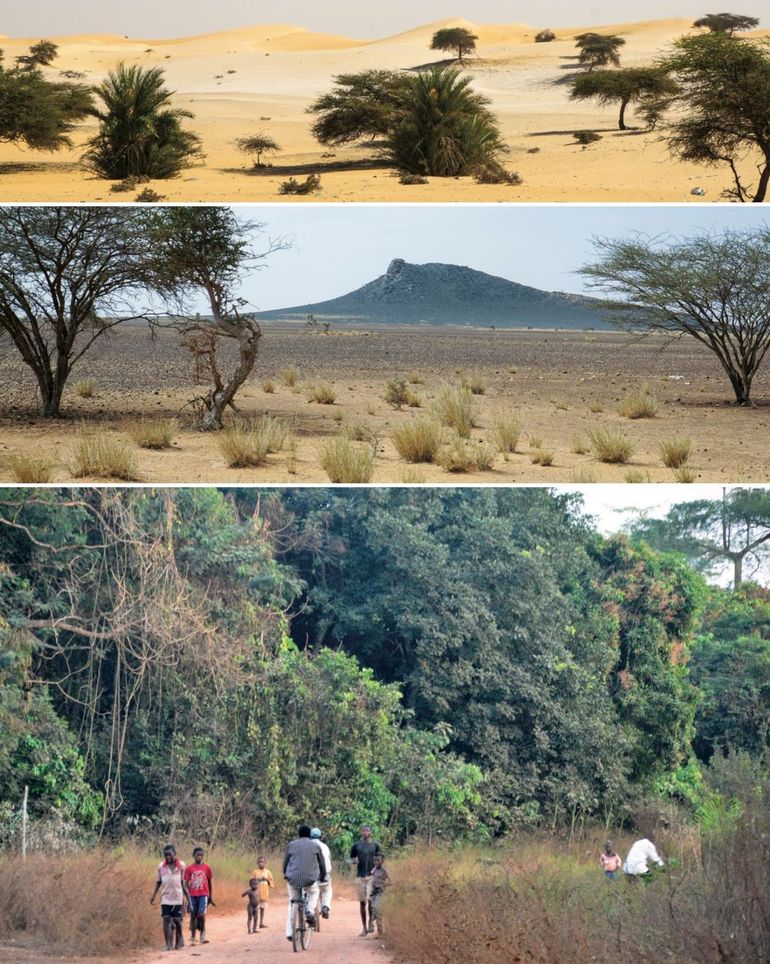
<point x="675" y="451"/>
<point x="595" y="408"/>
<point x="611" y="445"/>
<point x="458" y="456"/>
<point x="535" y="442"/>
<point x="153" y="433"/>
<point x="418" y="440"/>
<point x="455" y="408"/>
<point x="684" y="474"/>
<point x="102" y="455"/>
<point x="396" y="392"/>
<point x="268" y="386"/>
<point x="289" y="376"/>
<point x="485" y="454"/>
<point x="323" y="394"/>
<point x="506" y="431"/>
<point x="476" y="383"/>
<point x="542" y="457"/>
<point x="29" y="470"/>
<point x="415" y="378"/>
<point x="346" y="461"/>
<point x="85" y="388"/>
<point x="638" y="404"/>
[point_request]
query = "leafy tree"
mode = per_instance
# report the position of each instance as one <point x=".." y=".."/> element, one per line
<point x="545" y="36"/>
<point x="204" y="251"/>
<point x="733" y="530"/>
<point x="713" y="288"/>
<point x="67" y="276"/>
<point x="454" y="38"/>
<point x="444" y="128"/>
<point x="625" y="86"/>
<point x="723" y="106"/>
<point x="731" y="667"/>
<point x="259" y="144"/>
<point x="37" y="112"/>
<point x="728" y="23"/>
<point x="140" y="134"/>
<point x="41" y="54"/>
<point x="598" y="50"/>
<point x="361" y="105"/>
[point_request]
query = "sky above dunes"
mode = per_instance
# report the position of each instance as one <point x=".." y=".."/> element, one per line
<point x="167" y="18"/>
<point x="337" y="248"/>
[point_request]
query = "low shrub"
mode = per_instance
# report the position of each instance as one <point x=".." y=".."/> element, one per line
<point x="268" y="386"/>
<point x="506" y="431"/>
<point x="580" y="446"/>
<point x="154" y="433"/>
<point x="638" y="404"/>
<point x="29" y="470"/>
<point x="684" y="474"/>
<point x="454" y="407"/>
<point x="289" y="376"/>
<point x="418" y="440"/>
<point x="542" y="457"/>
<point x="544" y="36"/>
<point x="675" y="451"/>
<point x="587" y="137"/>
<point x="85" y="388"/>
<point x="636" y="476"/>
<point x="347" y="462"/>
<point x="322" y="394"/>
<point x="310" y="185"/>
<point x="611" y="445"/>
<point x="245" y="444"/>
<point x="407" y="178"/>
<point x="104" y="456"/>
<point x="493" y="172"/>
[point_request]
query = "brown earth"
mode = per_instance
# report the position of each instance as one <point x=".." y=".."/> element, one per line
<point x="550" y="379"/>
<point x="261" y="79"/>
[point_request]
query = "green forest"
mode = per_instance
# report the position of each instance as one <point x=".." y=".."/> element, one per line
<point x="443" y="664"/>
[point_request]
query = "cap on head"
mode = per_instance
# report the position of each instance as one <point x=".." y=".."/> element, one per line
<point x="315" y="833"/>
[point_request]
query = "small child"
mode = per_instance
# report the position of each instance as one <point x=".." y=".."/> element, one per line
<point x="380" y="879"/>
<point x="610" y="862"/>
<point x="252" y="908"/>
<point x="265" y="880"/>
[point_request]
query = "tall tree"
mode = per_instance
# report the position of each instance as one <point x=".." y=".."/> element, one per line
<point x="41" y="54"/>
<point x="361" y="105"/>
<point x="714" y="288"/>
<point x="67" y="276"/>
<point x="454" y="38"/>
<point x="728" y="23"/>
<point x="712" y="533"/>
<point x="623" y="87"/>
<point x="722" y="107"/>
<point x="598" y="50"/>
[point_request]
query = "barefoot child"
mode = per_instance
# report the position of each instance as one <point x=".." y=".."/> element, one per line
<point x="201" y="893"/>
<point x="380" y="880"/>
<point x="170" y="881"/>
<point x="610" y="861"/>
<point x="265" y="880"/>
<point x="252" y="908"/>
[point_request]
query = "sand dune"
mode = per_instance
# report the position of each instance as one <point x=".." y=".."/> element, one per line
<point x="263" y="77"/>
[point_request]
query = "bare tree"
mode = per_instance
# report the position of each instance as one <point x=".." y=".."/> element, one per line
<point x="714" y="288"/>
<point x="67" y="276"/>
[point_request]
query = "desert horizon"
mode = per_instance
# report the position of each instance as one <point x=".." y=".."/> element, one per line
<point x="262" y="78"/>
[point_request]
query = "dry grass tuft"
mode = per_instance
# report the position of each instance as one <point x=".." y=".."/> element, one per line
<point x="289" y="376"/>
<point x="418" y="440"/>
<point x="675" y="451"/>
<point x="542" y="457"/>
<point x="398" y="393"/>
<point x="506" y="431"/>
<point x="102" y="455"/>
<point x="579" y="445"/>
<point x="153" y="433"/>
<point x="85" y="388"/>
<point x="412" y="475"/>
<point x="29" y="470"/>
<point x="455" y="408"/>
<point x="637" y="476"/>
<point x="639" y="404"/>
<point x="323" y="394"/>
<point x="268" y="386"/>
<point x="247" y="443"/>
<point x="582" y="475"/>
<point x="684" y="474"/>
<point x="346" y="461"/>
<point x="611" y="445"/>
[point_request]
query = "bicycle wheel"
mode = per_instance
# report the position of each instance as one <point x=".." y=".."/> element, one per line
<point x="298" y="925"/>
<point x="306" y="930"/>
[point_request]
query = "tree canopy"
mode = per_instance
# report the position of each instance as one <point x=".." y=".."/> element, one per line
<point x="624" y="86"/>
<point x="361" y="105"/>
<point x="713" y="288"/>
<point x="598" y="50"/>
<point x="728" y="23"/>
<point x="454" y="38"/>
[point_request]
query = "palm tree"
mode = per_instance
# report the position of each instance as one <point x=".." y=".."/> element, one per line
<point x="444" y="128"/>
<point x="140" y="134"/>
<point x="599" y="50"/>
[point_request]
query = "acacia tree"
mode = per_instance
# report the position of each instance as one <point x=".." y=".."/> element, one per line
<point x="728" y="23"/>
<point x="67" y="276"/>
<point x="599" y="50"/>
<point x="715" y="289"/>
<point x="624" y="86"/>
<point x="257" y="144"/>
<point x="205" y="252"/>
<point x="39" y="113"/>
<point x="361" y="105"/>
<point x="454" y="38"/>
<point x="41" y="54"/>
<point x="723" y="106"/>
<point x="711" y="532"/>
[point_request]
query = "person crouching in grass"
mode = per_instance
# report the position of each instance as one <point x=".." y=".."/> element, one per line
<point x="200" y="892"/>
<point x="170" y="882"/>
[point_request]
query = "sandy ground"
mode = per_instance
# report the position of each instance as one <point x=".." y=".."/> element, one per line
<point x="337" y="943"/>
<point x="559" y="384"/>
<point x="262" y="78"/>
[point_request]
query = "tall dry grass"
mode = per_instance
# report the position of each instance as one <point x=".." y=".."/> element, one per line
<point x="103" y="455"/>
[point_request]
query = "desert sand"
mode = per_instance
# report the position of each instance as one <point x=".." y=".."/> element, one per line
<point x="559" y="384"/>
<point x="241" y="82"/>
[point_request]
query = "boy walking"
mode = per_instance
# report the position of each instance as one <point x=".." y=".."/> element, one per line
<point x="199" y="888"/>
<point x="170" y="882"/>
<point x="265" y="881"/>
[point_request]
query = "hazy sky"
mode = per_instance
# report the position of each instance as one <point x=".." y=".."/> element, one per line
<point x="339" y="247"/>
<point x="372" y="19"/>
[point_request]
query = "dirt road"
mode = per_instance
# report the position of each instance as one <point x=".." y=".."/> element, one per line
<point x="337" y="943"/>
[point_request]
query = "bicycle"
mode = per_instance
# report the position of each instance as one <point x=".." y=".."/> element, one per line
<point x="300" y="930"/>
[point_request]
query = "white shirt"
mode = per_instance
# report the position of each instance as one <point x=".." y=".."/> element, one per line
<point x="327" y="857"/>
<point x="638" y="856"/>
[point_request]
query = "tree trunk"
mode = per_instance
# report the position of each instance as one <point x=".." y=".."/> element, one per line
<point x="622" y="118"/>
<point x="764" y="183"/>
<point x="741" y="386"/>
<point x="51" y="387"/>
<point x="737" y="570"/>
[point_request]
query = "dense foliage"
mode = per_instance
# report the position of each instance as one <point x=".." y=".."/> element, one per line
<point x="434" y="662"/>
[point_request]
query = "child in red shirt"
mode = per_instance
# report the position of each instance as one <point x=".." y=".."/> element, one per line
<point x="199" y="887"/>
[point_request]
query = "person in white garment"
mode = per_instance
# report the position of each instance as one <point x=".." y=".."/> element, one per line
<point x="325" y="888"/>
<point x="640" y="856"/>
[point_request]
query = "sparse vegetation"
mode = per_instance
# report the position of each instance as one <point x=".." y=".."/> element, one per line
<point x="458" y="456"/>
<point x="543" y="457"/>
<point x="268" y="386"/>
<point x="85" y="388"/>
<point x="579" y="445"/>
<point x="586" y="137"/>
<point x="245" y="444"/>
<point x="544" y="36"/>
<point x="418" y="440"/>
<point x="154" y="433"/>
<point x="623" y="87"/>
<point x="397" y="392"/>
<point x="30" y="470"/>
<point x="149" y="196"/>
<point x="412" y="475"/>
<point x="582" y="476"/>
<point x="493" y="172"/>
<point x="257" y="146"/>
<point x="611" y="445"/>
<point x="506" y="431"/>
<point x="637" y="477"/>
<point x="454" y="38"/>
<point x="410" y="179"/>
<point x="675" y="451"/>
<point x="598" y="50"/>
<point x="454" y="407"/>
<point x="310" y="185"/>
<point x="323" y="394"/>
<point x="684" y="474"/>
<point x="289" y="376"/>
<point x="104" y="456"/>
<point x="346" y="461"/>
<point x="638" y="404"/>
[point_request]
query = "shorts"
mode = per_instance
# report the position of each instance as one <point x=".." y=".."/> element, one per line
<point x="377" y="896"/>
<point x="198" y="904"/>
<point x="171" y="910"/>
<point x="611" y="874"/>
<point x="364" y="886"/>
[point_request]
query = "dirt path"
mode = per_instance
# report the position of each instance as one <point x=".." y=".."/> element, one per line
<point x="337" y="943"/>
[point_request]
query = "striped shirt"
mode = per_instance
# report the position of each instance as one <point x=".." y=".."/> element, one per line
<point x="304" y="862"/>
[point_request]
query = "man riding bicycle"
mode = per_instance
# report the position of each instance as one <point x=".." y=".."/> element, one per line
<point x="325" y="888"/>
<point x="303" y="867"/>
